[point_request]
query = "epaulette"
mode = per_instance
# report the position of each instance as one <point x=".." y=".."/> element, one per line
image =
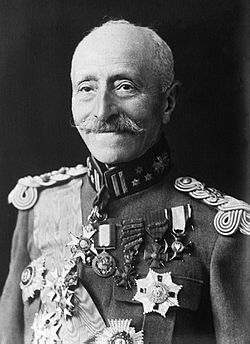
<point x="232" y="214"/>
<point x="25" y="193"/>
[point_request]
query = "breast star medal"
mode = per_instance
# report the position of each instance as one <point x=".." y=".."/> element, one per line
<point x="59" y="289"/>
<point x="157" y="292"/>
<point x="82" y="246"/>
<point x="119" y="332"/>
<point x="32" y="278"/>
<point x="45" y="328"/>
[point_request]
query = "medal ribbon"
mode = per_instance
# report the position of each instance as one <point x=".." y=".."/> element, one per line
<point x="178" y="217"/>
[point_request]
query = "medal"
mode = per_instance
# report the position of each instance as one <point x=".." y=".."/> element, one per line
<point x="104" y="264"/>
<point x="156" y="254"/>
<point x="32" y="278"/>
<point x="46" y="327"/>
<point x="131" y="239"/>
<point x="157" y="292"/>
<point x="59" y="289"/>
<point x="83" y="246"/>
<point x="180" y="218"/>
<point x="178" y="248"/>
<point x="119" y="332"/>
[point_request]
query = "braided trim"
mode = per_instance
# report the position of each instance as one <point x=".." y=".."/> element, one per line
<point x="233" y="214"/>
<point x="25" y="194"/>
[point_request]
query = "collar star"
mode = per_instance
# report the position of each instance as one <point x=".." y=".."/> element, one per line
<point x="148" y="177"/>
<point x="157" y="292"/>
<point x="139" y="170"/>
<point x="133" y="176"/>
<point x="160" y="163"/>
<point x="135" y="182"/>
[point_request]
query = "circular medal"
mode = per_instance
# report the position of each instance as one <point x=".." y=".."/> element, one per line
<point x="85" y="244"/>
<point x="121" y="338"/>
<point x="119" y="331"/>
<point x="104" y="264"/>
<point x="177" y="246"/>
<point x="158" y="292"/>
<point x="27" y="275"/>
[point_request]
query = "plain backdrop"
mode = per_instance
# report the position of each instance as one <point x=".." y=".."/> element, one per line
<point x="209" y="131"/>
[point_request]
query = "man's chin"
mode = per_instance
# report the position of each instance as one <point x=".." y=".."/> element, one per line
<point x="111" y="147"/>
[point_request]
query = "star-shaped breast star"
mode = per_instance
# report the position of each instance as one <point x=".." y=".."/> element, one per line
<point x="45" y="328"/>
<point x="157" y="292"/>
<point x="82" y="245"/>
<point x="32" y="278"/>
<point x="119" y="331"/>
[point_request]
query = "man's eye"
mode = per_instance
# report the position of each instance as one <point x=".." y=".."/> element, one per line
<point x="125" y="88"/>
<point x="85" y="89"/>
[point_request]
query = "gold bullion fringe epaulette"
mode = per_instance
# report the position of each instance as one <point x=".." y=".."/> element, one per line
<point x="25" y="193"/>
<point x="232" y="215"/>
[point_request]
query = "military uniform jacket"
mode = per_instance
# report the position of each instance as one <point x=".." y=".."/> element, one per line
<point x="213" y="278"/>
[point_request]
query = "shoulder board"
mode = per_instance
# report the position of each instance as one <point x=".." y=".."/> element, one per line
<point x="25" y="193"/>
<point x="232" y="214"/>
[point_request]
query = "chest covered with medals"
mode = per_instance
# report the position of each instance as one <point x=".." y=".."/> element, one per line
<point x="132" y="274"/>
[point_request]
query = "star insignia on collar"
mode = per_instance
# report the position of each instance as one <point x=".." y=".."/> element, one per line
<point x="160" y="163"/>
<point x="135" y="182"/>
<point x="119" y="331"/>
<point x="139" y="169"/>
<point x="148" y="177"/>
<point x="82" y="246"/>
<point x="157" y="292"/>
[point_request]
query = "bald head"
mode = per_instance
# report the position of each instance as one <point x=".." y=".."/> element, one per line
<point x="121" y="72"/>
<point x="142" y="42"/>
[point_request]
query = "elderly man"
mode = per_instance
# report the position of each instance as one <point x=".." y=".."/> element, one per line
<point x="123" y="251"/>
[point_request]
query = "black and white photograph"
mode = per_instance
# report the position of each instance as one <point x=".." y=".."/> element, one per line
<point x="124" y="172"/>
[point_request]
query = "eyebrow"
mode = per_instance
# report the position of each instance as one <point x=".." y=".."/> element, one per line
<point x="88" y="77"/>
<point x="116" y="76"/>
<point x="125" y="75"/>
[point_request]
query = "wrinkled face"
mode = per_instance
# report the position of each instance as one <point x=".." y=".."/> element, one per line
<point x="116" y="100"/>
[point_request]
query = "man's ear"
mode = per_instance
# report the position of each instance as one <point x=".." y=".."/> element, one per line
<point x="169" y="101"/>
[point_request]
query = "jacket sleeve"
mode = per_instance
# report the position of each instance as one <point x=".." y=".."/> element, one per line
<point x="230" y="281"/>
<point x="11" y="305"/>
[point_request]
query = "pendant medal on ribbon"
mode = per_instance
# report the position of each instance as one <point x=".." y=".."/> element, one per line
<point x="104" y="264"/>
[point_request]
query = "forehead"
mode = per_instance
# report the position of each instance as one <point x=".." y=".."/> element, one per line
<point x="112" y="48"/>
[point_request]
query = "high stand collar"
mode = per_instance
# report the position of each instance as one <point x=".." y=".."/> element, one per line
<point x="130" y="177"/>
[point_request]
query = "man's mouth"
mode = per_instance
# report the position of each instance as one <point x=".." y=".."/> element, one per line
<point x="117" y="124"/>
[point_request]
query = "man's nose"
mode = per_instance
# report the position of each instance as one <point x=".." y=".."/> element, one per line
<point x="106" y="105"/>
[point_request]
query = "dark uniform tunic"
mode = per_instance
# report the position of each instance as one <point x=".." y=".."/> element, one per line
<point x="214" y="276"/>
